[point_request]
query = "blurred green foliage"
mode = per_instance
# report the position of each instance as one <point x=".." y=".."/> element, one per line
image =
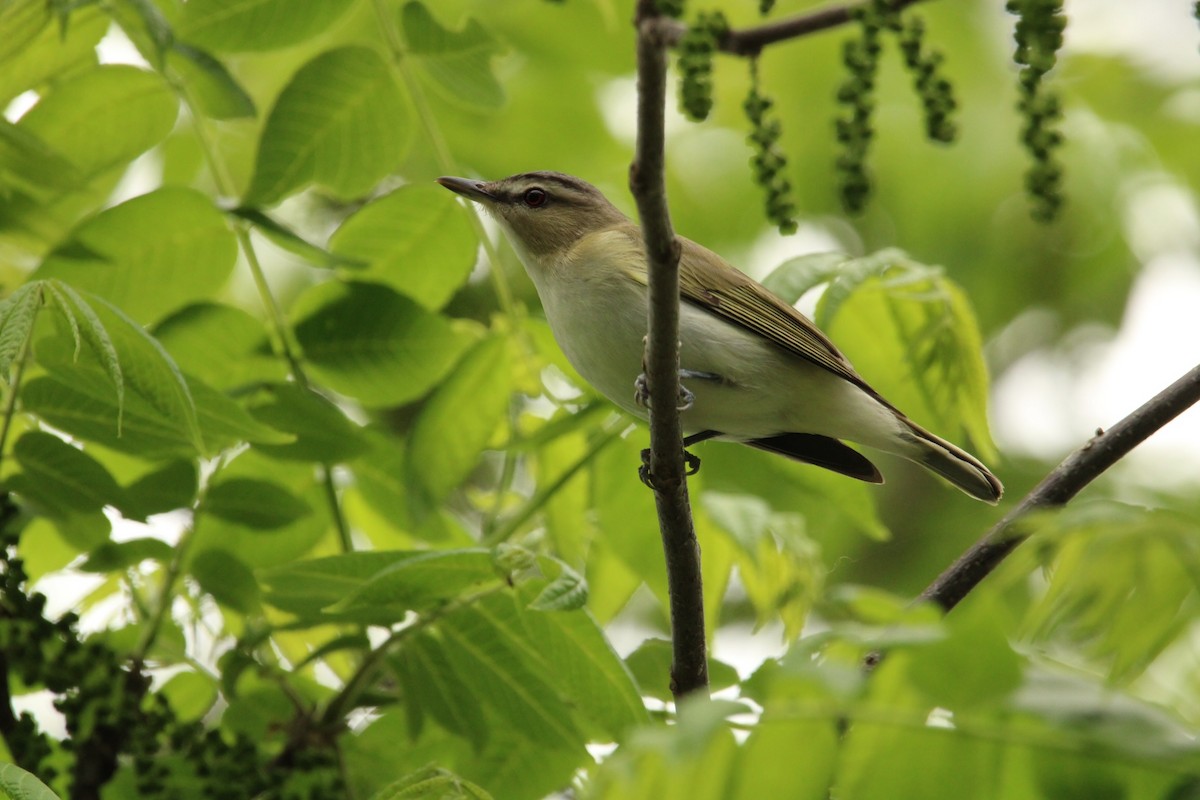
<point x="366" y="533"/>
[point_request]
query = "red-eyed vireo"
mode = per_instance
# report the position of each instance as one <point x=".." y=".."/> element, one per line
<point x="758" y="370"/>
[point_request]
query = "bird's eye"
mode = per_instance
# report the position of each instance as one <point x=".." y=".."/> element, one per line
<point x="535" y="198"/>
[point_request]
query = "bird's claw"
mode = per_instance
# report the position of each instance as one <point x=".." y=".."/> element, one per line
<point x="691" y="465"/>
<point x="641" y="387"/>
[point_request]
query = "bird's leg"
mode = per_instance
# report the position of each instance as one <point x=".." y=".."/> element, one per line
<point x="691" y="461"/>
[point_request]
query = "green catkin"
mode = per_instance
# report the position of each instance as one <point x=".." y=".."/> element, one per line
<point x="1039" y="36"/>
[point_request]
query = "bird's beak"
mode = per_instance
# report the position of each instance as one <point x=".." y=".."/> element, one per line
<point x="472" y="190"/>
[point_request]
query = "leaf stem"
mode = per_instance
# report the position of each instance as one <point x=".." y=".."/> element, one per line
<point x="282" y="338"/>
<point x="546" y="493"/>
<point x="166" y="598"/>
<point x="10" y="402"/>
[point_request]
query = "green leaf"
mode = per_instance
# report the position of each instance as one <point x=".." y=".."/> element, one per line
<point x="52" y="54"/>
<point x="779" y="565"/>
<point x="215" y="91"/>
<point x="116" y="556"/>
<point x="341" y="123"/>
<point x="148" y="370"/>
<point x="431" y="782"/>
<point x="432" y="684"/>
<point x="254" y="503"/>
<point x="164" y="489"/>
<point x="498" y="668"/>
<point x="911" y="332"/>
<point x="308" y="588"/>
<point x="796" y="276"/>
<point x="578" y="659"/>
<point x="18" y="784"/>
<point x="85" y="326"/>
<point x="322" y="432"/>
<point x="460" y="419"/>
<point x="17" y="313"/>
<point x="236" y="26"/>
<point x="190" y="695"/>
<point x="60" y="477"/>
<point x="223" y="346"/>
<point x="78" y="398"/>
<point x="287" y="239"/>
<point x="226" y="578"/>
<point x="173" y="239"/>
<point x="29" y="165"/>
<point x="423" y="581"/>
<point x="416" y="239"/>
<point x="366" y="341"/>
<point x="457" y="63"/>
<point x="21" y="21"/>
<point x="567" y="592"/>
<point x="103" y="118"/>
<point x="150" y="254"/>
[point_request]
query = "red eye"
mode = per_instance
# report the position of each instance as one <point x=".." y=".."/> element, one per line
<point x="535" y="198"/>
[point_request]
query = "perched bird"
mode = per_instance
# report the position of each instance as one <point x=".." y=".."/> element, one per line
<point x="758" y="370"/>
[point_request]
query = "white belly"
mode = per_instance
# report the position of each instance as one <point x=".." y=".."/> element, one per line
<point x="764" y="391"/>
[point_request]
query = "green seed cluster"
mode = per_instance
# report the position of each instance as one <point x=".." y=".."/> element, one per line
<point x="856" y="94"/>
<point x="671" y="8"/>
<point x="936" y="93"/>
<point x="696" y="51"/>
<point x="1039" y="36"/>
<point x="111" y="717"/>
<point x="97" y="697"/>
<point x="765" y="6"/>
<point x="768" y="162"/>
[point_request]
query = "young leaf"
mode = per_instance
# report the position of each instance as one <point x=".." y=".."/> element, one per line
<point x="460" y="419"/>
<point x="457" y="63"/>
<point x="173" y="239"/>
<point x="340" y="123"/>
<point x="567" y="592"/>
<point x="148" y="370"/>
<point x="17" y="313"/>
<point x="366" y="341"/>
<point x="431" y="782"/>
<point x="416" y="240"/>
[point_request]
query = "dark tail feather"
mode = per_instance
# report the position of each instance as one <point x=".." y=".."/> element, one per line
<point x="956" y="465"/>
<point x="821" y="451"/>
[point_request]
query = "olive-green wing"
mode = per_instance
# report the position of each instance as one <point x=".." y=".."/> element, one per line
<point x="745" y="302"/>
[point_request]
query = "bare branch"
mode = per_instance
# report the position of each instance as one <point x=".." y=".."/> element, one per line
<point x="689" y="668"/>
<point x="751" y="41"/>
<point x="1068" y="478"/>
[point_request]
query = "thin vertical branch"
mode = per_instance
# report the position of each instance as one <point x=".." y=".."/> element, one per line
<point x="689" y="668"/>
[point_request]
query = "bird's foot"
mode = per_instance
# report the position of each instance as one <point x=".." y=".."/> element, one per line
<point x="641" y="387"/>
<point x="691" y="465"/>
